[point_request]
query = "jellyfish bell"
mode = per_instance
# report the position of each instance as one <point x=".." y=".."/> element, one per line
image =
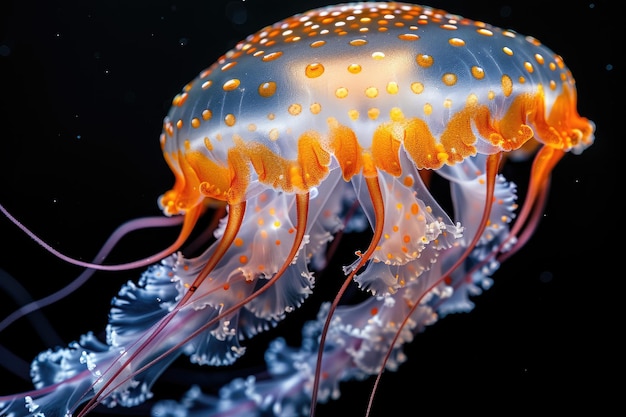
<point x="346" y="109"/>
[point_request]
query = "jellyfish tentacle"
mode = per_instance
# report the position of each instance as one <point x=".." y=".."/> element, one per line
<point x="236" y="213"/>
<point x="373" y="187"/>
<point x="530" y="214"/>
<point x="116" y="236"/>
<point x="532" y="222"/>
<point x="492" y="165"/>
<point x="491" y="172"/>
<point x="38" y="320"/>
<point x="189" y="222"/>
<point x="543" y="164"/>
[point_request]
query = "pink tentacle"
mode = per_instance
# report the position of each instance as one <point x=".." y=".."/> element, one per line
<point x="116" y="236"/>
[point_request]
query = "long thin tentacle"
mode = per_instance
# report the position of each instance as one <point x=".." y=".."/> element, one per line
<point x="491" y="172"/>
<point x="116" y="236"/>
<point x="189" y="221"/>
<point x="533" y="206"/>
<point x="528" y="219"/>
<point x="235" y="219"/>
<point x="373" y="186"/>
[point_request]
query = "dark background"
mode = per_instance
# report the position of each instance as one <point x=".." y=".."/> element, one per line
<point x="85" y="86"/>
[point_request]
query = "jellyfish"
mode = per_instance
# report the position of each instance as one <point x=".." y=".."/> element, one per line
<point x="339" y="120"/>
